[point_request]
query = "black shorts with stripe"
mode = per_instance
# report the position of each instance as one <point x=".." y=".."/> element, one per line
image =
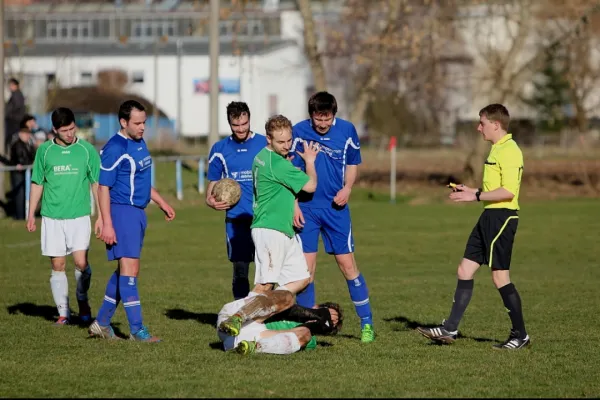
<point x="491" y="241"/>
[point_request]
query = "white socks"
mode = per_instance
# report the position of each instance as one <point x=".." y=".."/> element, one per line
<point x="83" y="279"/>
<point x="60" y="292"/>
<point x="282" y="343"/>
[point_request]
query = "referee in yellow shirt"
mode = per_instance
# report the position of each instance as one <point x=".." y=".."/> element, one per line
<point x="491" y="240"/>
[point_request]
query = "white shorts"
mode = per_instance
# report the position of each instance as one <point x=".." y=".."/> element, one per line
<point x="250" y="330"/>
<point x="278" y="258"/>
<point x="61" y="237"/>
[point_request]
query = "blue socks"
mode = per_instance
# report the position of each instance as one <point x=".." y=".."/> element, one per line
<point x="131" y="301"/>
<point x="111" y="301"/>
<point x="307" y="298"/>
<point x="359" y="293"/>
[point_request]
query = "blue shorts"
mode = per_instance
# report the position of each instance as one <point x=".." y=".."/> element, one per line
<point x="130" y="224"/>
<point x="240" y="247"/>
<point x="333" y="224"/>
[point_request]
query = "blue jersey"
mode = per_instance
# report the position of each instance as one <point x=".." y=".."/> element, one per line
<point x="339" y="147"/>
<point x="126" y="170"/>
<point x="231" y="159"/>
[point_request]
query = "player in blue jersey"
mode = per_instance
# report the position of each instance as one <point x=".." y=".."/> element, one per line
<point x="125" y="189"/>
<point x="232" y="157"/>
<point x="326" y="211"/>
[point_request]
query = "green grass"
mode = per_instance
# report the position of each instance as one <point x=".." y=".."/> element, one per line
<point x="408" y="255"/>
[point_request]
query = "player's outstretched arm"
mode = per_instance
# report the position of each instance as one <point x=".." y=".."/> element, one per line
<point x="163" y="205"/>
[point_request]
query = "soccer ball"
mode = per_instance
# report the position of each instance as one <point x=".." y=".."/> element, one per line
<point x="227" y="190"/>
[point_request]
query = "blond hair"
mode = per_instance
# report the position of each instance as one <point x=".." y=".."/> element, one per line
<point x="277" y="123"/>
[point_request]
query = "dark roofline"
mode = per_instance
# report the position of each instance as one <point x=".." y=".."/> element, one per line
<point x="167" y="49"/>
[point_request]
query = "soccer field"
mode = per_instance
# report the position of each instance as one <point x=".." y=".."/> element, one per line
<point x="408" y="255"/>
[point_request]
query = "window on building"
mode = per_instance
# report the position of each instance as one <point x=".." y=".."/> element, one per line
<point x="137" y="77"/>
<point x="86" y="78"/>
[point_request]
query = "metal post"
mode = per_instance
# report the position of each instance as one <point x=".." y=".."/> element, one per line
<point x="179" y="51"/>
<point x="393" y="170"/>
<point x="155" y="108"/>
<point x="178" y="179"/>
<point x="2" y="120"/>
<point x="27" y="190"/>
<point x="153" y="174"/>
<point x="201" y="175"/>
<point x="92" y="203"/>
<point x="213" y="134"/>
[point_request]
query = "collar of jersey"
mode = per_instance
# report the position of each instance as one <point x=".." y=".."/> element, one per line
<point x="250" y="136"/>
<point x="74" y="141"/>
<point x="505" y="139"/>
<point x="310" y="122"/>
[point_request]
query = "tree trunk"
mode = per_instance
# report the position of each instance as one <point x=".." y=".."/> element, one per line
<point x="311" y="49"/>
<point x="363" y="96"/>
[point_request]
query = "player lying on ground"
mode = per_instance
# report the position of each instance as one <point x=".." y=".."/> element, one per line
<point x="272" y="323"/>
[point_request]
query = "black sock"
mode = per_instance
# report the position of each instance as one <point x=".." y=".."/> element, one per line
<point x="512" y="302"/>
<point x="462" y="297"/>
<point x="240" y="285"/>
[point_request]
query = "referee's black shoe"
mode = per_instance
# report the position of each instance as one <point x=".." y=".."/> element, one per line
<point x="438" y="333"/>
<point x="514" y="342"/>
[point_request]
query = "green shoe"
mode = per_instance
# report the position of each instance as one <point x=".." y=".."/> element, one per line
<point x="231" y="325"/>
<point x="367" y="334"/>
<point x="246" y="347"/>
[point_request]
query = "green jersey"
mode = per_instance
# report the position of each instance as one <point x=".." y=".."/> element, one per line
<point x="66" y="174"/>
<point x="276" y="184"/>
<point x="285" y="325"/>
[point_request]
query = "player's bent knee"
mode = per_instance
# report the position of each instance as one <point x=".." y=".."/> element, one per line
<point x="303" y="334"/>
<point x="500" y="277"/>
<point x="467" y="269"/>
<point x="58" y="263"/>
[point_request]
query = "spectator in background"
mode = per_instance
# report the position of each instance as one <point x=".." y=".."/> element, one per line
<point x="14" y="111"/>
<point x="22" y="154"/>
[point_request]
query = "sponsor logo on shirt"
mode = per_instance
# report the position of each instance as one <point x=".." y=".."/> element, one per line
<point x="65" y="170"/>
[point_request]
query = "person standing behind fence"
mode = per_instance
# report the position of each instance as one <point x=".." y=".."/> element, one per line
<point x="124" y="192"/>
<point x="232" y="157"/>
<point x="63" y="171"/>
<point x="14" y="111"/>
<point x="21" y="154"/>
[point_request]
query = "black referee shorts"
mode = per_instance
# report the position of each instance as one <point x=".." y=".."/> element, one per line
<point x="491" y="241"/>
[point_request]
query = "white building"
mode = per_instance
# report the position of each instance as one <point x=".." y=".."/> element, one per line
<point x="263" y="65"/>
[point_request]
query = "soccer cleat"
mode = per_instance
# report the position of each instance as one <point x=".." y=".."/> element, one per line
<point x="439" y="333"/>
<point x="367" y="334"/>
<point x="143" y="336"/>
<point x="103" y="332"/>
<point x="231" y="326"/>
<point x="85" y="312"/>
<point x="62" y="321"/>
<point x="246" y="347"/>
<point x="514" y="342"/>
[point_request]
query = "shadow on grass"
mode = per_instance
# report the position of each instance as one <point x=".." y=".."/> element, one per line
<point x="49" y="313"/>
<point x="203" y="318"/>
<point x="411" y="325"/>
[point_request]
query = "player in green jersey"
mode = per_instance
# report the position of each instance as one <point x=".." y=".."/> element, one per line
<point x="63" y="171"/>
<point x="273" y="324"/>
<point x="278" y="257"/>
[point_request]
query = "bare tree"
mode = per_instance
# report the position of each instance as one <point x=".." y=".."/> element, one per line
<point x="311" y="49"/>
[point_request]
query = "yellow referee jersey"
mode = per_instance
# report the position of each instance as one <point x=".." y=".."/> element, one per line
<point x="503" y="168"/>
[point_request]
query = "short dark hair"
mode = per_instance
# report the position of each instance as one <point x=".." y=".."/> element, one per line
<point x="496" y="113"/>
<point x="235" y="109"/>
<point x="275" y="123"/>
<point x="14" y="81"/>
<point x="338" y="309"/>
<point x="25" y="120"/>
<point x="126" y="108"/>
<point x="62" y="116"/>
<point x="322" y="103"/>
